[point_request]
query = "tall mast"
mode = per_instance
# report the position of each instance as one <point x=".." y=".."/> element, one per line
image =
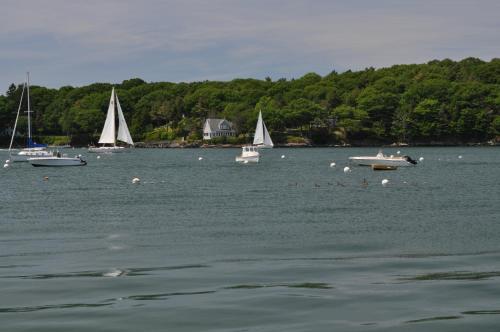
<point x="29" y="109"/>
<point x="17" y="118"/>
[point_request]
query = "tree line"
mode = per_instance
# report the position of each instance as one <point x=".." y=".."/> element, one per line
<point x="439" y="101"/>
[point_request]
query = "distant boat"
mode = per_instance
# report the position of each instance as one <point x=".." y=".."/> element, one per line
<point x="108" y="135"/>
<point x="249" y="154"/>
<point x="57" y="160"/>
<point x="261" y="138"/>
<point x="382" y="160"/>
<point x="32" y="149"/>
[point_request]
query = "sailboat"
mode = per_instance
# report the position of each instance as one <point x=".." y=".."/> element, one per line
<point x="261" y="138"/>
<point x="33" y="149"/>
<point x="108" y="135"/>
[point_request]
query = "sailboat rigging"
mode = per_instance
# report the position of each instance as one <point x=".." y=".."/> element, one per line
<point x="261" y="138"/>
<point x="108" y="135"/>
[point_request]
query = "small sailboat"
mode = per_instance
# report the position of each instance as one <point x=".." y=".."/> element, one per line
<point x="249" y="154"/>
<point x="108" y="135"/>
<point x="261" y="138"/>
<point x="33" y="149"/>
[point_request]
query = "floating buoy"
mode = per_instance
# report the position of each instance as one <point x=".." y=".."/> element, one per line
<point x="399" y="152"/>
<point x="282" y="156"/>
<point x="136" y="180"/>
<point x="7" y="161"/>
<point x="5" y="165"/>
<point x="460" y="157"/>
<point x="347" y="169"/>
<point x="385" y="182"/>
<point x="332" y="164"/>
<point x="200" y="158"/>
<point x="421" y="159"/>
<point x="98" y="157"/>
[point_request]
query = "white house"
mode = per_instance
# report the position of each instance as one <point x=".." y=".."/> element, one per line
<point x="217" y="128"/>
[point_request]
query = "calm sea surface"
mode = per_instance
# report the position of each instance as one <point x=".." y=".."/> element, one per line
<point x="289" y="244"/>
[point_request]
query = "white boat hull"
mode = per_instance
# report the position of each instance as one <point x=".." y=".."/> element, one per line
<point x="385" y="161"/>
<point x="25" y="154"/>
<point x="56" y="161"/>
<point x="248" y="159"/>
<point x="108" y="149"/>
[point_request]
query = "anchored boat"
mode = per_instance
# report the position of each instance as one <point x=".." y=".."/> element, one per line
<point x="383" y="160"/>
<point x="249" y="154"/>
<point x="57" y="160"/>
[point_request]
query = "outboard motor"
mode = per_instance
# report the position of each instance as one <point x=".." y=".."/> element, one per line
<point x="411" y="161"/>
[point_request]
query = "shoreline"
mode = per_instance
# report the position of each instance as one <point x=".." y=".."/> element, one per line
<point x="177" y="145"/>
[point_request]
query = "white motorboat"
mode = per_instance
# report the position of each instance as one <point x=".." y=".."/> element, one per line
<point x="261" y="138"/>
<point x="249" y="154"/>
<point x="382" y="160"/>
<point x="57" y="160"/>
<point x="108" y="135"/>
<point x="33" y="149"/>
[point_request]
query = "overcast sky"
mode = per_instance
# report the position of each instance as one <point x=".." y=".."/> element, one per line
<point x="77" y="42"/>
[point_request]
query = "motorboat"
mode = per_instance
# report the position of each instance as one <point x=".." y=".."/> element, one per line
<point x="249" y="154"/>
<point x="57" y="160"/>
<point x="108" y="134"/>
<point x="382" y="160"/>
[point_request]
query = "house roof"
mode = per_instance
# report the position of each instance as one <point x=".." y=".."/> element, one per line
<point x="214" y="124"/>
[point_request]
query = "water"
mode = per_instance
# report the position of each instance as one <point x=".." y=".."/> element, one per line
<point x="285" y="245"/>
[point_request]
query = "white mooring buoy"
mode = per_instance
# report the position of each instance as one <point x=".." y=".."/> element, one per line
<point x="5" y="165"/>
<point x="332" y="164"/>
<point x="460" y="157"/>
<point x="347" y="169"/>
<point x="385" y="182"/>
<point x="136" y="180"/>
<point x="421" y="159"/>
<point x="282" y="156"/>
<point x="98" y="157"/>
<point x="200" y="158"/>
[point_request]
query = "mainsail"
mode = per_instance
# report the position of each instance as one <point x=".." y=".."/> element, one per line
<point x="261" y="134"/>
<point x="109" y="130"/>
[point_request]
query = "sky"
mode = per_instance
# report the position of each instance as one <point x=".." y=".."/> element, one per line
<point x="78" y="42"/>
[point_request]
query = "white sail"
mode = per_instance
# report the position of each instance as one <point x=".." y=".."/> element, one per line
<point x="261" y="136"/>
<point x="258" y="137"/>
<point x="108" y="132"/>
<point x="123" y="133"/>
<point x="267" y="138"/>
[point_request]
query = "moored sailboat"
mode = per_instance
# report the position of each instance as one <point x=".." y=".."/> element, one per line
<point x="108" y="135"/>
<point x="32" y="149"/>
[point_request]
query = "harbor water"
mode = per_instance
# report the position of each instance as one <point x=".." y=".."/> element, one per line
<point x="288" y="244"/>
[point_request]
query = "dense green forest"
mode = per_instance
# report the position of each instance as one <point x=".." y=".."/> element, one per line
<point x="444" y="102"/>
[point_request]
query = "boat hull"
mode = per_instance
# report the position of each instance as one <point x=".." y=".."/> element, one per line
<point x="25" y="154"/>
<point x="56" y="162"/>
<point x="250" y="159"/>
<point x="388" y="161"/>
